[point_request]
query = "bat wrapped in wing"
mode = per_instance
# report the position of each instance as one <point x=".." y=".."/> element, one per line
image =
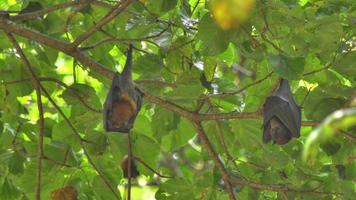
<point x="123" y="101"/>
<point x="282" y="116"/>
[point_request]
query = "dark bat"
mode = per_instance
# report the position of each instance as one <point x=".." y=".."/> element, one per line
<point x="282" y="116"/>
<point x="123" y="101"/>
<point x="125" y="168"/>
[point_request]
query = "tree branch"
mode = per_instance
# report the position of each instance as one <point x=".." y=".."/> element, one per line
<point x="216" y="159"/>
<point x="76" y="133"/>
<point x="35" y="14"/>
<point x="278" y="188"/>
<point x="150" y="168"/>
<point x="129" y="171"/>
<point x="36" y="83"/>
<point x="61" y="84"/>
<point x="116" y="10"/>
<point x="112" y="38"/>
<point x="100" y="69"/>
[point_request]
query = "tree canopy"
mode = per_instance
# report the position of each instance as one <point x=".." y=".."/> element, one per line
<point x="205" y="69"/>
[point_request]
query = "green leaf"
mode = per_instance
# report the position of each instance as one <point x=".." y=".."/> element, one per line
<point x="163" y="122"/>
<point x="338" y="120"/>
<point x="175" y="189"/>
<point x="148" y="150"/>
<point x="101" y="190"/>
<point x="8" y="190"/>
<point x="209" y="68"/>
<point x="287" y="67"/>
<point x="178" y="55"/>
<point x="81" y="94"/>
<point x="16" y="163"/>
<point x="64" y="133"/>
<point x="180" y="136"/>
<point x="214" y="40"/>
<point x="161" y="6"/>
<point x="61" y="153"/>
<point x="345" y="66"/>
<point x="148" y="66"/>
<point x="98" y="143"/>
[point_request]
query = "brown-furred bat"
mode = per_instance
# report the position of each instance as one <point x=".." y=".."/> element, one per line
<point x="125" y="167"/>
<point x="282" y="116"/>
<point x="123" y="101"/>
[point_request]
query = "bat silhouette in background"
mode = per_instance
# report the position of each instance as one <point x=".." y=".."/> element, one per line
<point x="282" y="116"/>
<point x="125" y="167"/>
<point x="123" y="101"/>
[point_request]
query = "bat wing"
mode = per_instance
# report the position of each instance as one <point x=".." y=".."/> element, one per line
<point x="267" y="133"/>
<point x="137" y="96"/>
<point x="286" y="94"/>
<point x="109" y="100"/>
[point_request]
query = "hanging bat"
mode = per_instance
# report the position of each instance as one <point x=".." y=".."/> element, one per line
<point x="123" y="101"/>
<point x="125" y="167"/>
<point x="282" y="116"/>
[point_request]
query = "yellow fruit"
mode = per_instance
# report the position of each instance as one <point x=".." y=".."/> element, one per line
<point x="230" y="14"/>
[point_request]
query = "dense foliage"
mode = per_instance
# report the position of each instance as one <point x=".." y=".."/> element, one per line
<point x="204" y="84"/>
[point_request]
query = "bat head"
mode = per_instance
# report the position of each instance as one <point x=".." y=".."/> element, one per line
<point x="279" y="132"/>
<point x="275" y="131"/>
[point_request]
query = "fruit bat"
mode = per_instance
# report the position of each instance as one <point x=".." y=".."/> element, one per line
<point x="123" y="101"/>
<point x="125" y="166"/>
<point x="282" y="116"/>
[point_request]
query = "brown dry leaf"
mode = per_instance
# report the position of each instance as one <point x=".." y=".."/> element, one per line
<point x="66" y="193"/>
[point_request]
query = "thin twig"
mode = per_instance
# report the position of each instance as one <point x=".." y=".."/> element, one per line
<point x="150" y="168"/>
<point x="305" y="97"/>
<point x="223" y="142"/>
<point x="202" y="135"/>
<point x="351" y="100"/>
<point x="326" y="67"/>
<point x="195" y="6"/>
<point x="284" y="195"/>
<point x="347" y="135"/>
<point x="112" y="38"/>
<point x="74" y="92"/>
<point x="225" y="94"/>
<point x="316" y="71"/>
<point x="279" y="188"/>
<point x="116" y="10"/>
<point x="129" y="171"/>
<point x="36" y="83"/>
<point x="265" y="29"/>
<point x="35" y="14"/>
<point x="76" y="133"/>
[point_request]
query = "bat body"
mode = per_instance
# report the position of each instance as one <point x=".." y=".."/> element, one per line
<point x="123" y="101"/>
<point x="125" y="168"/>
<point x="282" y="116"/>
